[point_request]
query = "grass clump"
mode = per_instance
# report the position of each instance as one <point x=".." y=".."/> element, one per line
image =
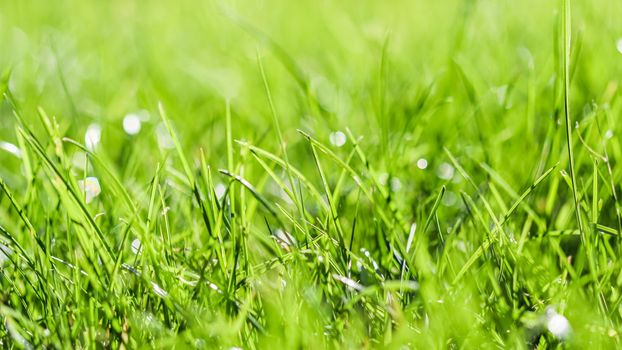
<point x="325" y="175"/>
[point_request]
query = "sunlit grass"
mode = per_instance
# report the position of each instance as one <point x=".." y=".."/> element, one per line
<point x="313" y="175"/>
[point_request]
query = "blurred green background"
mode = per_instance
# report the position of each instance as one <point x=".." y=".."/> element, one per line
<point x="368" y="62"/>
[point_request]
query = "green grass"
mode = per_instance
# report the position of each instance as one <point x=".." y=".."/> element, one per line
<point x="317" y="174"/>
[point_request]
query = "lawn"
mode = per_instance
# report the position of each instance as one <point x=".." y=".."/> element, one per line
<point x="272" y="174"/>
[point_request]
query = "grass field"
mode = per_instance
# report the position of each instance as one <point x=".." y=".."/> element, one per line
<point x="311" y="174"/>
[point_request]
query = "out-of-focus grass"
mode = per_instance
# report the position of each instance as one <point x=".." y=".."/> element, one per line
<point x="313" y="174"/>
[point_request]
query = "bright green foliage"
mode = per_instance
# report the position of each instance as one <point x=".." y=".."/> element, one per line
<point x="310" y="174"/>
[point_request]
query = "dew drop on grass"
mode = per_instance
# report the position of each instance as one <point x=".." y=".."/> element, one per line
<point x="557" y="324"/>
<point x="11" y="148"/>
<point x="92" y="136"/>
<point x="9" y="324"/>
<point x="348" y="282"/>
<point x="337" y="138"/>
<point x="449" y="199"/>
<point x="396" y="184"/>
<point x="5" y="253"/>
<point x="79" y="160"/>
<point x="445" y="171"/>
<point x="163" y="137"/>
<point x="501" y="93"/>
<point x="278" y="191"/>
<point x="132" y="124"/>
<point x="461" y="246"/>
<point x="90" y="186"/>
<point x="382" y="178"/>
<point x="136" y="246"/>
<point x="220" y="191"/>
<point x="214" y="287"/>
<point x="422" y="163"/>
<point x="284" y="238"/>
<point x="619" y="45"/>
<point x="327" y="93"/>
<point x="411" y="236"/>
<point x="369" y="257"/>
<point x="609" y="134"/>
<point x="158" y="290"/>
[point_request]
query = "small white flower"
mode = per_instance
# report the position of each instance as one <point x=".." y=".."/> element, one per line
<point x="337" y="138"/>
<point x="90" y="186"/>
<point x="131" y="124"/>
<point x="92" y="136"/>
